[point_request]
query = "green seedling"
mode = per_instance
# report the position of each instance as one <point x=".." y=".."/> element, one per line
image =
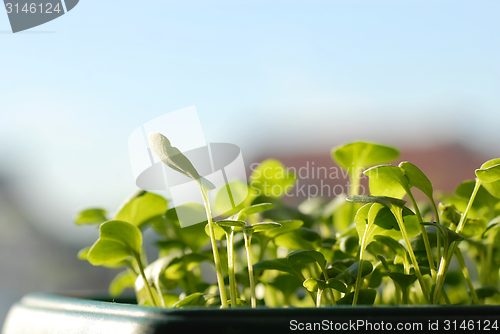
<point x="248" y="231"/>
<point x="174" y="159"/>
<point x="365" y="249"/>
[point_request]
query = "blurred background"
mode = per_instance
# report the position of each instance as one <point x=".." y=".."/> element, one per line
<point x="284" y="79"/>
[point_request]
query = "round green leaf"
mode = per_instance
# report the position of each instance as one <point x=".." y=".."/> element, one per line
<point x="143" y="207"/>
<point x="448" y="234"/>
<point x="311" y="285"/>
<point x="387" y="180"/>
<point x="303" y="257"/>
<point x="417" y="178"/>
<point x="395" y="246"/>
<point x="334" y="283"/>
<point x="117" y="241"/>
<point x="90" y="216"/>
<point x="286" y="226"/>
<point x="488" y="174"/>
<point x="491" y="173"/>
<point x="195" y="299"/>
<point x="403" y="280"/>
<point x="272" y="179"/>
<point x="227" y="224"/>
<point x="301" y="238"/>
<point x="218" y="231"/>
<point x="83" y="253"/>
<point x="384" y="200"/>
<point x="105" y="251"/>
<point x="362" y="155"/>
<point x="483" y="197"/>
<point x="122" y="281"/>
<point x="276" y="264"/>
<point x="351" y="273"/>
<point x="242" y="215"/>
<point x="264" y="226"/>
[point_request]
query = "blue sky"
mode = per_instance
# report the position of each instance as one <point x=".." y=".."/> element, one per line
<point x="266" y="75"/>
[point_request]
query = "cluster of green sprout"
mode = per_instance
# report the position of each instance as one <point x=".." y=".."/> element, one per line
<point x="377" y="249"/>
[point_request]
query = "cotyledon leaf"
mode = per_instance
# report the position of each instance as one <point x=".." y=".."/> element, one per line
<point x="387" y="180"/>
<point x="173" y="158"/>
<point x="90" y="216"/>
<point x="363" y="154"/>
<point x="117" y="241"/>
<point x="303" y="257"/>
<point x="242" y="215"/>
<point x="489" y="176"/>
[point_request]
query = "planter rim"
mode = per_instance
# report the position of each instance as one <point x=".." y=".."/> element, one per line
<point x="38" y="313"/>
<point x="56" y="301"/>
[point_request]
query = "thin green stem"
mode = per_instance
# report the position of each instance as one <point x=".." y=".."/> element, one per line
<point x="146" y="284"/>
<point x="360" y="267"/>
<point x="405" y="295"/>
<point x="438" y="232"/>
<point x="248" y="240"/>
<point x="230" y="267"/>
<point x="445" y="261"/>
<point x="465" y="272"/>
<point x="397" y="212"/>
<point x="488" y="261"/>
<point x="332" y="295"/>
<point x="218" y="268"/>
<point x="427" y="244"/>
<point x="318" y="298"/>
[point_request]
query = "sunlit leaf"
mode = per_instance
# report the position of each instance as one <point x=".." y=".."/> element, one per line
<point x="272" y="179"/>
<point x="483" y="197"/>
<point x="195" y="299"/>
<point x="449" y="213"/>
<point x="286" y="226"/>
<point x="218" y="231"/>
<point x="384" y="200"/>
<point x="417" y="178"/>
<point x="178" y="266"/>
<point x="280" y="264"/>
<point x="228" y="225"/>
<point x="142" y="208"/>
<point x="257" y="208"/>
<point x="352" y="272"/>
<point x="334" y="283"/>
<point x="83" y="253"/>
<point x="403" y="280"/>
<point x="495" y="223"/>
<point x="117" y="241"/>
<point x="299" y="239"/>
<point x="395" y="246"/>
<point x="90" y="216"/>
<point x="288" y="284"/>
<point x="448" y="234"/>
<point x="488" y="174"/>
<point x="304" y="257"/>
<point x="312" y="285"/>
<point x="362" y="155"/>
<point x="387" y="180"/>
<point x="122" y="281"/>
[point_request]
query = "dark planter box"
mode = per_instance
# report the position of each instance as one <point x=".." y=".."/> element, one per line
<point x="50" y="313"/>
